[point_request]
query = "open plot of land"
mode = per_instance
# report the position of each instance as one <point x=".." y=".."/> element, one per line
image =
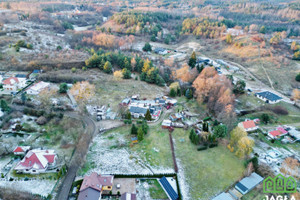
<point x="111" y="153"/>
<point x="154" y="188"/>
<point x="111" y="91"/>
<point x="208" y="172"/>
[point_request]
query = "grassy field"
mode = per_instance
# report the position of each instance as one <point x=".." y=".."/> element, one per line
<point x="111" y="91"/>
<point x="207" y="172"/>
<point x="155" y="189"/>
<point x="255" y="194"/>
<point x="155" y="148"/>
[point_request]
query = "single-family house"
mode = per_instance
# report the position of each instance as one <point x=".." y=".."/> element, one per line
<point x="268" y="97"/>
<point x="94" y="185"/>
<point x="248" y="183"/>
<point x="166" y="124"/>
<point x="279" y="132"/>
<point x="135" y="97"/>
<point x="160" y="51"/>
<point x="274" y="134"/>
<point x="21" y="150"/>
<point x="11" y="84"/>
<point x="128" y="196"/>
<point x="126" y="102"/>
<point x="137" y="111"/>
<point x="37" y="88"/>
<point x="37" y="161"/>
<point x="248" y="125"/>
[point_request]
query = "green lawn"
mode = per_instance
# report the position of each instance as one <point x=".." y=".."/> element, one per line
<point x="155" y="148"/>
<point x="206" y="172"/>
<point x="255" y="194"/>
<point x="155" y="189"/>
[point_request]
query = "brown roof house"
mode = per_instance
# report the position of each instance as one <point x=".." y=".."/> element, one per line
<point x="94" y="186"/>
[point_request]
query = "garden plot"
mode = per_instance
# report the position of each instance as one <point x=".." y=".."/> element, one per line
<point x="41" y="187"/>
<point x="112" y="153"/>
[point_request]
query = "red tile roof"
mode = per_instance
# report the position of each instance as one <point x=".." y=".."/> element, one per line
<point x="249" y="124"/>
<point x="282" y="130"/>
<point x="37" y="159"/>
<point x="18" y="149"/>
<point x="50" y="158"/>
<point x="10" y="81"/>
<point x="96" y="181"/>
<point x="275" y="133"/>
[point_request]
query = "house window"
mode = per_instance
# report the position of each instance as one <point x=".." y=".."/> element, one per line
<point x="34" y="170"/>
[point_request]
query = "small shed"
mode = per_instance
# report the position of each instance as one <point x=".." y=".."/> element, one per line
<point x="248" y="183"/>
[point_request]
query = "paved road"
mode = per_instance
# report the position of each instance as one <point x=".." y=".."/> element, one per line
<point x="80" y="152"/>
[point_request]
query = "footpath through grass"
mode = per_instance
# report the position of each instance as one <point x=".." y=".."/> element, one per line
<point x="206" y="172"/>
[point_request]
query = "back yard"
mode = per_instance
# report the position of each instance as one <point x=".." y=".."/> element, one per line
<point x="206" y="172"/>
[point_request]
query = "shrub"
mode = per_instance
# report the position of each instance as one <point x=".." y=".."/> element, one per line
<point x="298" y="77"/>
<point x="127" y="121"/>
<point x="280" y="110"/>
<point x="201" y="148"/>
<point x="207" y="119"/>
<point x="73" y="69"/>
<point x="213" y="145"/>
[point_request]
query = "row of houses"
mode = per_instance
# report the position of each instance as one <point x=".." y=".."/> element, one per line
<point x="138" y="108"/>
<point x="12" y="82"/>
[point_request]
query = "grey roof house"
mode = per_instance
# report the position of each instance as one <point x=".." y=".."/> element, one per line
<point x="248" y="183"/>
<point x="268" y="97"/>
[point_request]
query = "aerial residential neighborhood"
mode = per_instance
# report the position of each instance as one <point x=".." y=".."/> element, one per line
<point x="150" y="100"/>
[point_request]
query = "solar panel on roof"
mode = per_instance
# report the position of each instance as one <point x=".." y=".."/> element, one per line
<point x="241" y="187"/>
<point x="169" y="189"/>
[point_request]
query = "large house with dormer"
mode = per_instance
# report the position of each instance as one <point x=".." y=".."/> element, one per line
<point x="94" y="185"/>
<point x="37" y="161"/>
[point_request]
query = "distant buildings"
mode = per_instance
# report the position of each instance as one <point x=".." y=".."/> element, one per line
<point x="37" y="161"/>
<point x="268" y="97"/>
<point x="160" y="51"/>
<point x="94" y="185"/>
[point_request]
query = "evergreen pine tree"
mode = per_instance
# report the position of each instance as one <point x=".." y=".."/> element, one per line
<point x="193" y="60"/>
<point x="140" y="134"/>
<point x="148" y="115"/>
<point x="134" y="130"/>
<point x="172" y="92"/>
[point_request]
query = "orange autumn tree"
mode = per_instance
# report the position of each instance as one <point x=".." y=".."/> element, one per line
<point x="185" y="74"/>
<point x="83" y="91"/>
<point x="216" y="91"/>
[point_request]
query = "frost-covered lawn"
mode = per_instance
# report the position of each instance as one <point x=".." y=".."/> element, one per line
<point x="205" y="172"/>
<point x="41" y="187"/>
<point x="155" y="148"/>
<point x="4" y="161"/>
<point x="111" y="153"/>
